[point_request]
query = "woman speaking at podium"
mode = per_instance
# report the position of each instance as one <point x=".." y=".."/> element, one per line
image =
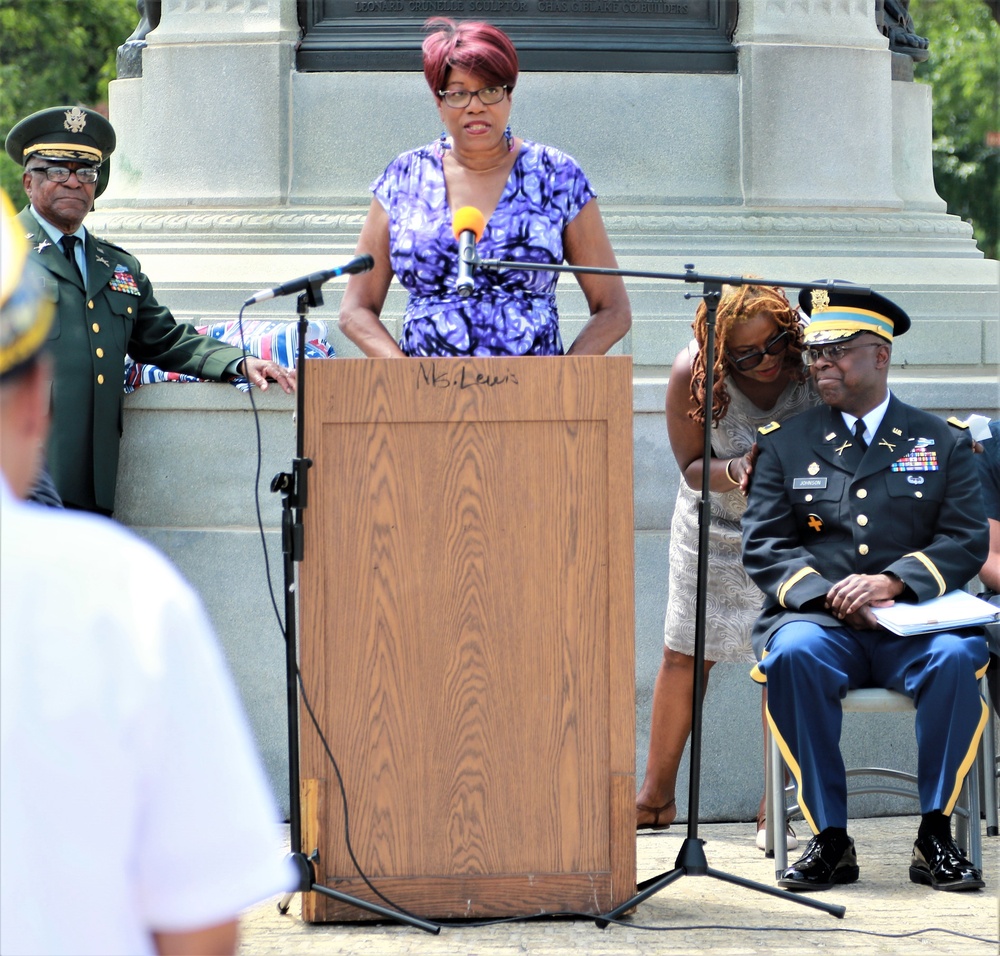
<point x="516" y="199"/>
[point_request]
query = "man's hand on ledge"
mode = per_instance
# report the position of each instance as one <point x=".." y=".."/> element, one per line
<point x="259" y="371"/>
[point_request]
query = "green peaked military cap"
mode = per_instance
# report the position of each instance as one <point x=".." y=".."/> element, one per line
<point x="68" y="133"/>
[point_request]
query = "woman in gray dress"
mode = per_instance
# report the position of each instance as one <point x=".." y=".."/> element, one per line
<point x="759" y="378"/>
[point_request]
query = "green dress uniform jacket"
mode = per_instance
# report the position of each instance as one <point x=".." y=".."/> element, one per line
<point x="821" y="509"/>
<point x="92" y="331"/>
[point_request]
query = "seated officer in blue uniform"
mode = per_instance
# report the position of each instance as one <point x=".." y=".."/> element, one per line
<point x="857" y="503"/>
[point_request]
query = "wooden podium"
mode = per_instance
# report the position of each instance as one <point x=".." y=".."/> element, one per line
<point x="467" y="634"/>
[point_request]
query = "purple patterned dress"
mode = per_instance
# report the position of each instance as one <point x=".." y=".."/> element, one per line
<point x="509" y="312"/>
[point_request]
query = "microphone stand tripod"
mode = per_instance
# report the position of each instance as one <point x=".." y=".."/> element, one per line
<point x="293" y="487"/>
<point x="691" y="860"/>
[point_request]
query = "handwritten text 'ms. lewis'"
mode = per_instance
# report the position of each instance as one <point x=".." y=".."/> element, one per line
<point x="434" y="376"/>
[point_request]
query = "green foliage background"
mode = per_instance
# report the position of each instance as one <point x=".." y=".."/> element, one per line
<point x="964" y="71"/>
<point x="63" y="51"/>
<point x="54" y="52"/>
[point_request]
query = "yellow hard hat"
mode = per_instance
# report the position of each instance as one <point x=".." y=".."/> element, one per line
<point x="25" y="311"/>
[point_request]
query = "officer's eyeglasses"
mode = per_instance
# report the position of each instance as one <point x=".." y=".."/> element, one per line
<point x="60" y="174"/>
<point x="459" y="99"/>
<point x="833" y="353"/>
<point x="775" y="346"/>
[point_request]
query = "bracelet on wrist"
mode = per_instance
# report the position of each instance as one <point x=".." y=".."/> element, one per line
<point x="729" y="474"/>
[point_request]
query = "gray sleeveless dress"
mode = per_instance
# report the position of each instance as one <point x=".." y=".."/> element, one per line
<point x="733" y="601"/>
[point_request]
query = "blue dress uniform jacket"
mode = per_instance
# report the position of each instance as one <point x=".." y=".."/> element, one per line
<point x="820" y="510"/>
<point x="92" y="331"/>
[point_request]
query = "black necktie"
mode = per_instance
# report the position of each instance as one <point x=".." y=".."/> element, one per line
<point x="859" y="433"/>
<point x="69" y="251"/>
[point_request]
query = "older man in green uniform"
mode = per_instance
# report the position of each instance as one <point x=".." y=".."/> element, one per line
<point x="105" y="306"/>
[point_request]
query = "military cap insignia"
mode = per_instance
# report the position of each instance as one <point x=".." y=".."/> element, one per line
<point x="770" y="427"/>
<point x="76" y="120"/>
<point x="820" y="299"/>
<point x="813" y="468"/>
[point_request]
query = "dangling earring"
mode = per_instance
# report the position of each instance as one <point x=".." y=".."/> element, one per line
<point x="509" y="136"/>
<point x="444" y="140"/>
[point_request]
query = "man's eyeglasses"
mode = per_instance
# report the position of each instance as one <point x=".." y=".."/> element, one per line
<point x="775" y="346"/>
<point x="60" y="174"/>
<point x="459" y="99"/>
<point x="833" y="353"/>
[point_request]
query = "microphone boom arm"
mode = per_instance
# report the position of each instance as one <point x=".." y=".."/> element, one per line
<point x="689" y="275"/>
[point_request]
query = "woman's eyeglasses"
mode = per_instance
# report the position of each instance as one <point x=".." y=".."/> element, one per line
<point x="775" y="346"/>
<point x="459" y="99"/>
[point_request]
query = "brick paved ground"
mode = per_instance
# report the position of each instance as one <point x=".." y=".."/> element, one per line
<point x="700" y="913"/>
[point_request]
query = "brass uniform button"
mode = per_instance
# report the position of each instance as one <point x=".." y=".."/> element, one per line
<point x="862" y="493"/>
<point x="90" y="304"/>
<point x="919" y="494"/>
<point x="809" y="497"/>
<point x="100" y="353"/>
<point x="129" y="310"/>
<point x="862" y="549"/>
<point x="96" y="327"/>
<point x="863" y="520"/>
<point x="100" y="379"/>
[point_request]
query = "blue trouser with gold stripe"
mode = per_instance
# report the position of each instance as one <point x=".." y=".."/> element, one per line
<point x="809" y="669"/>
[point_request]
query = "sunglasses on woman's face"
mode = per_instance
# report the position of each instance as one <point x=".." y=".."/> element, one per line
<point x="775" y="346"/>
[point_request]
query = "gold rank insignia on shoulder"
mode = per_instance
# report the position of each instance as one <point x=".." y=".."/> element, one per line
<point x="76" y="120"/>
<point x="770" y="427"/>
<point x="813" y="468"/>
<point x="820" y="299"/>
<point x="957" y="423"/>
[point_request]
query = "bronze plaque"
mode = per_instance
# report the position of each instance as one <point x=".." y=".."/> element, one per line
<point x="614" y="36"/>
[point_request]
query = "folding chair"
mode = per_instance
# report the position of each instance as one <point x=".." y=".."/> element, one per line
<point x="897" y="782"/>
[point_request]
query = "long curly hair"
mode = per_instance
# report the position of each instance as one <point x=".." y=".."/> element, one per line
<point x="737" y="305"/>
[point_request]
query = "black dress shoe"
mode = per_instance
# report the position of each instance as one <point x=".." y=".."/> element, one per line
<point x="826" y="863"/>
<point x="939" y="862"/>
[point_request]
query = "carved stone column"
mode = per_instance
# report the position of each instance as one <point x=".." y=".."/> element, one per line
<point x="817" y="105"/>
<point x="207" y="122"/>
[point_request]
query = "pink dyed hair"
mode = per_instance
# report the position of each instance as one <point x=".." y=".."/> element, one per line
<point x="472" y="46"/>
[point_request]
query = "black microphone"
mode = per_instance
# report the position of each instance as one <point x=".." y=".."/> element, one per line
<point x="468" y="226"/>
<point x="360" y="263"/>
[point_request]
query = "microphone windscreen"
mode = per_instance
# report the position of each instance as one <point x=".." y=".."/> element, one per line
<point x="470" y="219"/>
